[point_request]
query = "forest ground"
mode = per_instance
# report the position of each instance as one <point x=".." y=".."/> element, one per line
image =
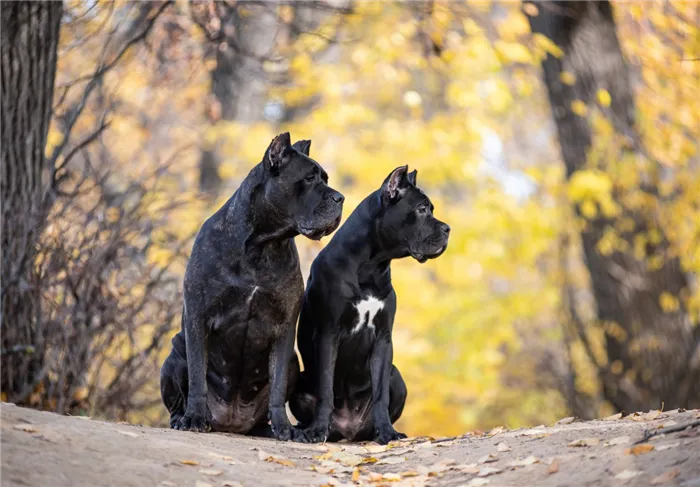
<point x="45" y="449"/>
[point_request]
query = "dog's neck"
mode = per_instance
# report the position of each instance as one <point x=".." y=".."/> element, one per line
<point x="249" y="217"/>
<point x="371" y="255"/>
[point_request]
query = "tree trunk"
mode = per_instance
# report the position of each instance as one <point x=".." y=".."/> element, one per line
<point x="29" y="42"/>
<point x="245" y="38"/>
<point x="656" y="357"/>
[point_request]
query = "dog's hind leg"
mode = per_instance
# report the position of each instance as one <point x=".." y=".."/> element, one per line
<point x="397" y="394"/>
<point x="173" y="386"/>
<point x="303" y="401"/>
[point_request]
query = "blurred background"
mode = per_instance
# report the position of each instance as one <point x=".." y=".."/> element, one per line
<point x="559" y="141"/>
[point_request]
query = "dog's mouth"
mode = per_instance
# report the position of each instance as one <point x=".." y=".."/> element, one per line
<point x="315" y="233"/>
<point x="423" y="258"/>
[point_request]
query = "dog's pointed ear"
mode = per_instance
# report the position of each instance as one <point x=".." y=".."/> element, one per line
<point x="277" y="154"/>
<point x="303" y="146"/>
<point x="393" y="185"/>
<point x="412" y="177"/>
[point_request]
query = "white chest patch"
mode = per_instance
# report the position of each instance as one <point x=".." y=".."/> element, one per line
<point x="367" y="309"/>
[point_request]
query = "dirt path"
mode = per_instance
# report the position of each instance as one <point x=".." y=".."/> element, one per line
<point x="44" y="449"/>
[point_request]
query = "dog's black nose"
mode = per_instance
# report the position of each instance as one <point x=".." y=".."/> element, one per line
<point x="445" y="228"/>
<point x="338" y="198"/>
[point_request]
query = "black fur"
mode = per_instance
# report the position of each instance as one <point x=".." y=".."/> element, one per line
<point x="349" y="387"/>
<point x="233" y="363"/>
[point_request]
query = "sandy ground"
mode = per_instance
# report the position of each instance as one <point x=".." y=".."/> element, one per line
<point x="44" y="449"/>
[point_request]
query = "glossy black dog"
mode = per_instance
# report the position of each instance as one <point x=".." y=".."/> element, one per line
<point x="234" y="360"/>
<point x="349" y="387"/>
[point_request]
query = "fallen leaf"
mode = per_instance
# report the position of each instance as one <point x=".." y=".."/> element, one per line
<point x="486" y="471"/>
<point x="269" y="457"/>
<point x="356" y="475"/>
<point x="27" y="428"/>
<point x="409" y="473"/>
<point x="391" y="477"/>
<point x="391" y="460"/>
<point x="497" y="430"/>
<point x="374" y="448"/>
<point x="665" y="477"/>
<point x="128" y="433"/>
<point x="531" y="460"/>
<point x="628" y="474"/>
<point x="651" y="415"/>
<point x="199" y="483"/>
<point x="637" y="450"/>
<point x="553" y="467"/>
<point x="189" y="462"/>
<point x="503" y="447"/>
<point x="490" y="458"/>
<point x="231" y="483"/>
<point x="568" y="420"/>
<point x="478" y="482"/>
<point x="613" y="417"/>
<point x="533" y="432"/>
<point x="667" y="446"/>
<point x="585" y="442"/>
<point x="620" y="440"/>
<point x="210" y="472"/>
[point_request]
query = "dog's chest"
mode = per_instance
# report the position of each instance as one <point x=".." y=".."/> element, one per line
<point x="366" y="309"/>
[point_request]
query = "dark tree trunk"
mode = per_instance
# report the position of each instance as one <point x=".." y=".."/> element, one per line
<point x="245" y="38"/>
<point x="658" y="350"/>
<point x="29" y="42"/>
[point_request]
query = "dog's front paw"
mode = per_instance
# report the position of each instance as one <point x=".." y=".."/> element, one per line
<point x="287" y="432"/>
<point x="193" y="422"/>
<point x="316" y="433"/>
<point x="385" y="435"/>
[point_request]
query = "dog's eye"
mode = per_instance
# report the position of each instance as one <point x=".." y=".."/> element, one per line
<point x="310" y="178"/>
<point x="422" y="210"/>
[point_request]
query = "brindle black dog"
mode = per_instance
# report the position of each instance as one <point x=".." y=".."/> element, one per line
<point x="233" y="364"/>
<point x="349" y="387"/>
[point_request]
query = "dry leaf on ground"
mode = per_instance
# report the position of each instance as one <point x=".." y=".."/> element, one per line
<point x="391" y="477"/>
<point x="667" y="446"/>
<point x="620" y="440"/>
<point x="27" y="428"/>
<point x="486" y="471"/>
<point x="391" y="460"/>
<point x="269" y="457"/>
<point x="468" y="468"/>
<point x="128" y="433"/>
<point x="356" y="475"/>
<point x="210" y="472"/>
<point x="503" y="447"/>
<point x="613" y="417"/>
<point x="665" y="477"/>
<point x="531" y="460"/>
<point x="478" y="482"/>
<point x="490" y="458"/>
<point x="637" y="450"/>
<point x="628" y="474"/>
<point x="189" y="462"/>
<point x="585" y="442"/>
<point x="553" y="467"/>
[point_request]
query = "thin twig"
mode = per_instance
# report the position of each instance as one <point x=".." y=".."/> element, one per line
<point x="669" y="429"/>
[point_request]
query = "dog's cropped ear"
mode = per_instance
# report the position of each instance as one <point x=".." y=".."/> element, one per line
<point x="395" y="183"/>
<point x="412" y="177"/>
<point x="277" y="154"/>
<point x="303" y="146"/>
